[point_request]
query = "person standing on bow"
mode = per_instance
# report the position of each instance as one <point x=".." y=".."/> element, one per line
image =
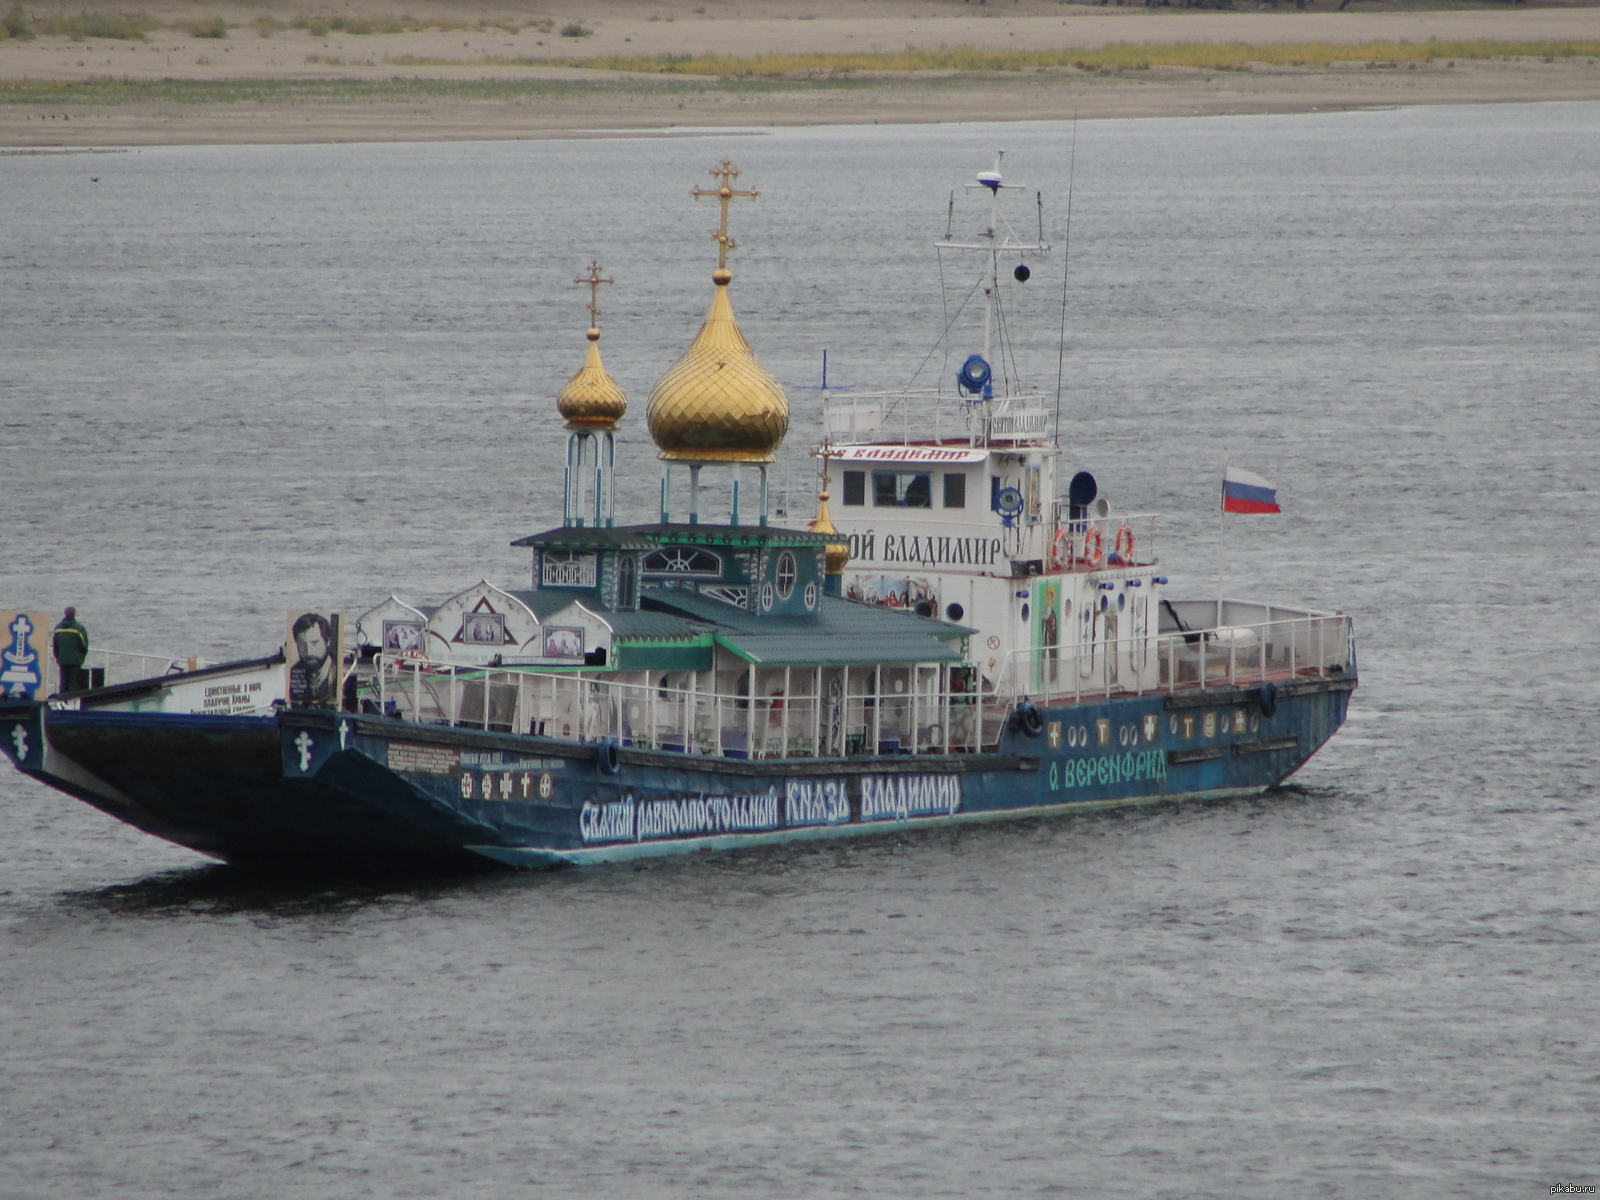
<point x="72" y="649"/>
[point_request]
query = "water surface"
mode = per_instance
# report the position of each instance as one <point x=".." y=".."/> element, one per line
<point x="238" y="379"/>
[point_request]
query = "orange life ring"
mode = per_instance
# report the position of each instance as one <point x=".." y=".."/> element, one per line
<point x="1123" y="548"/>
<point x="1061" y="549"/>
<point x="1094" y="546"/>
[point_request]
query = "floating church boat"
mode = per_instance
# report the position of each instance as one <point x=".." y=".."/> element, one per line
<point x="957" y="636"/>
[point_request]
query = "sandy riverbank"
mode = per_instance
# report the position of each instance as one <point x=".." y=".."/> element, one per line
<point x="437" y="83"/>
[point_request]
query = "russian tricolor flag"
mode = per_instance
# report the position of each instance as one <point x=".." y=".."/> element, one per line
<point x="1243" y="492"/>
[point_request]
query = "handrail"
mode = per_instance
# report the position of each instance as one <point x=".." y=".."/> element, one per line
<point x="890" y="416"/>
<point x="809" y="712"/>
<point x="1310" y="645"/>
<point x="128" y="666"/>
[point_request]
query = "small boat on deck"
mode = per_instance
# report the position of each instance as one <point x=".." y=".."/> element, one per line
<point x="962" y="633"/>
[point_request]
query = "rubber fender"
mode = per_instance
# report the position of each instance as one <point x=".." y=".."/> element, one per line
<point x="608" y="758"/>
<point x="1267" y="698"/>
<point x="1028" y="721"/>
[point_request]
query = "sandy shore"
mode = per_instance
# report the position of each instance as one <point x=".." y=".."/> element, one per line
<point x="535" y="98"/>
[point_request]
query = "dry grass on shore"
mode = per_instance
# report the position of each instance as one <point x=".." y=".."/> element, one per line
<point x="1207" y="56"/>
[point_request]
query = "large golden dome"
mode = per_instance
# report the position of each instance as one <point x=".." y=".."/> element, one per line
<point x="592" y="399"/>
<point x="718" y="404"/>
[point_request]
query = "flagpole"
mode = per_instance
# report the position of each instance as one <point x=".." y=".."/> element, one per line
<point x="1222" y="516"/>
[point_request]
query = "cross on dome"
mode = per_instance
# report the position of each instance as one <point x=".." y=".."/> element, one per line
<point x="725" y="173"/>
<point x="594" y="281"/>
<point x="718" y="403"/>
<point x="592" y="399"/>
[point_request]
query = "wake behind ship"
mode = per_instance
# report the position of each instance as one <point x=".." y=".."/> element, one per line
<point x="971" y="641"/>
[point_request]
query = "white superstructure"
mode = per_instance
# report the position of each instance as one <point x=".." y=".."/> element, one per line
<point x="953" y="508"/>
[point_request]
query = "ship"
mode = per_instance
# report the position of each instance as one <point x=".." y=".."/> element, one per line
<point x="962" y="633"/>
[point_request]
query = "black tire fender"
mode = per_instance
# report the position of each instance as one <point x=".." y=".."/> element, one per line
<point x="1029" y="721"/>
<point x="1267" y="698"/>
<point x="608" y="758"/>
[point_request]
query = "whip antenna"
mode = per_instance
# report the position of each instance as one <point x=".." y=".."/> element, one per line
<point x="1066" y="259"/>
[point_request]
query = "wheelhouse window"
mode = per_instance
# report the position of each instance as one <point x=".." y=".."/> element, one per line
<point x="902" y="489"/>
<point x="955" y="490"/>
<point x="855" y="487"/>
<point x="566" y="568"/>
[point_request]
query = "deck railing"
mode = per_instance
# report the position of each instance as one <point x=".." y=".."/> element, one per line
<point x="810" y="712"/>
<point x="108" y="667"/>
<point x="1288" y="644"/>
<point x="796" y="712"/>
<point x="919" y="416"/>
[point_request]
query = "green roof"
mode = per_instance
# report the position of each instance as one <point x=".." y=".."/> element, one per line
<point x="648" y="537"/>
<point x="842" y="633"/>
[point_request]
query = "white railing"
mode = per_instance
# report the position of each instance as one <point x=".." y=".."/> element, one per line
<point x="796" y="712"/>
<point x="124" y="666"/>
<point x="576" y="573"/>
<point x="1303" y="645"/>
<point x="915" y="417"/>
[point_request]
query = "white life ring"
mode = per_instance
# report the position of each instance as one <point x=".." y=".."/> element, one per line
<point x="1094" y="546"/>
<point x="1061" y="550"/>
<point x="1123" y="547"/>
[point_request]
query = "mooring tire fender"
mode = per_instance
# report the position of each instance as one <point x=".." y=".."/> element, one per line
<point x="1028" y="721"/>
<point x="1267" y="698"/>
<point x="608" y="758"/>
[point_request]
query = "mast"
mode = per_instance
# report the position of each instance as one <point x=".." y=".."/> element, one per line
<point x="997" y="236"/>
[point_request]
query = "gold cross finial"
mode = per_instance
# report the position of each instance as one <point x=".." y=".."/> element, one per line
<point x="594" y="281"/>
<point x="724" y="173"/>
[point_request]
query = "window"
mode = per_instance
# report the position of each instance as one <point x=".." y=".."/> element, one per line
<point x="955" y="490"/>
<point x="902" y="489"/>
<point x="855" y="487"/>
<point x="625" y="582"/>
<point x="683" y="560"/>
<point x="566" y="568"/>
<point x="785" y="575"/>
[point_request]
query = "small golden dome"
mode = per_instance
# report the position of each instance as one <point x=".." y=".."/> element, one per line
<point x="836" y="554"/>
<point x="592" y="399"/>
<point x="718" y="404"/>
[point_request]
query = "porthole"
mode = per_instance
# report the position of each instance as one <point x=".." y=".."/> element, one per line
<point x="954" y="611"/>
<point x="786" y="575"/>
<point x="1122" y="601"/>
<point x="1024" y="610"/>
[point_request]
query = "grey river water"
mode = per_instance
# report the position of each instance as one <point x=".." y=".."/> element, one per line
<point x="236" y="379"/>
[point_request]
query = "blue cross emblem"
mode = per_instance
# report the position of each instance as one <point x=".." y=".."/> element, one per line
<point x="20" y="675"/>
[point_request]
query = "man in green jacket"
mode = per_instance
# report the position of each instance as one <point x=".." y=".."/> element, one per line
<point x="72" y="648"/>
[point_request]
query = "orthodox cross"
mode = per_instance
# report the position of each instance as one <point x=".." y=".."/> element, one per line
<point x="594" y="281"/>
<point x="725" y="172"/>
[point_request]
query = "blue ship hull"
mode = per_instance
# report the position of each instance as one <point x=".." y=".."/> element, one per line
<point x="343" y="791"/>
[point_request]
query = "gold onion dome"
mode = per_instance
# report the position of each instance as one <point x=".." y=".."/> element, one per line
<point x="837" y="554"/>
<point x="592" y="398"/>
<point x="718" y="403"/>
